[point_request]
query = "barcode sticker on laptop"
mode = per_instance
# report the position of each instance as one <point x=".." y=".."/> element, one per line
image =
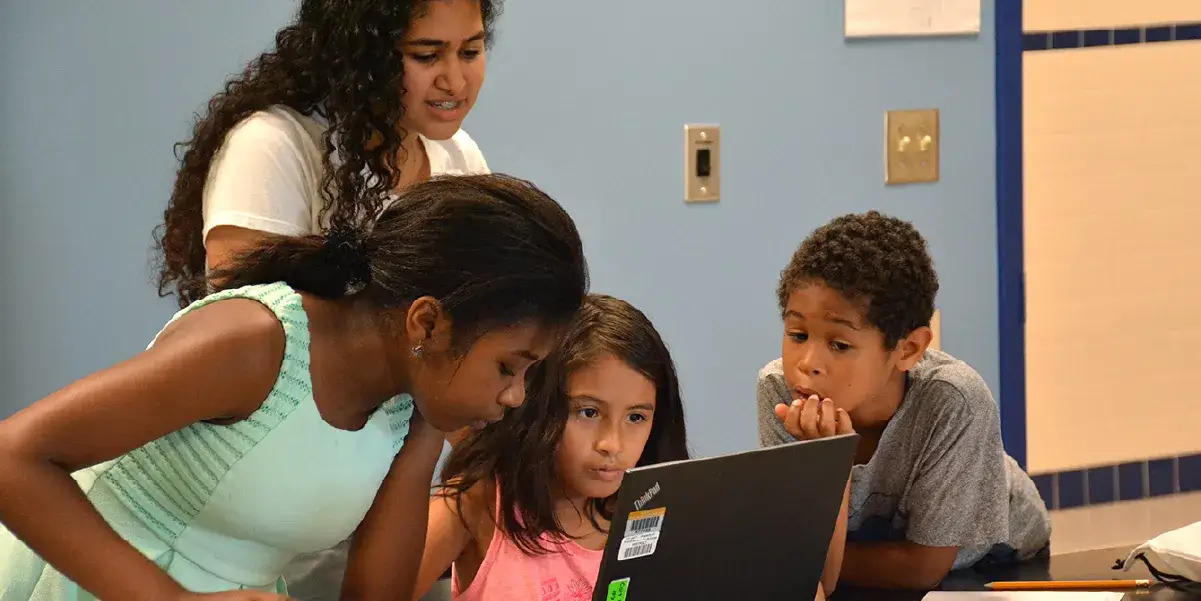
<point x="641" y="522"/>
<point x="638" y="545"/>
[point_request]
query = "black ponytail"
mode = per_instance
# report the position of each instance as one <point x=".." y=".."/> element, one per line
<point x="493" y="249"/>
<point x="330" y="266"/>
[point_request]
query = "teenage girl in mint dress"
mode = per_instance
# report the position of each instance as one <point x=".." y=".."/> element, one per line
<point x="304" y="402"/>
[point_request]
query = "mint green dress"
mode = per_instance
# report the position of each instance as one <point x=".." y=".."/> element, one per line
<point x="224" y="508"/>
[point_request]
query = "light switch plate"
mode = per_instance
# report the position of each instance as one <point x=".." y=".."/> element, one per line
<point x="699" y="187"/>
<point x="911" y="146"/>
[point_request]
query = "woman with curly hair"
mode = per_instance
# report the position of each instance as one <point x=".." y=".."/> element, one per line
<point x="357" y="100"/>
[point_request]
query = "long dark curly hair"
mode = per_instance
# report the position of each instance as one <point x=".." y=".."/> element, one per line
<point x="517" y="453"/>
<point x="339" y="59"/>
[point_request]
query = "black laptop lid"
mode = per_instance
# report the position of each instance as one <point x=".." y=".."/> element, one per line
<point x="752" y="525"/>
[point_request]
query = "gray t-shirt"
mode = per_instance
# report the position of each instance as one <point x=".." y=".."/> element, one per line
<point x="940" y="476"/>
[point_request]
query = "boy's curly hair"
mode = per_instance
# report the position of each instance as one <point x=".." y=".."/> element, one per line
<point x="873" y="260"/>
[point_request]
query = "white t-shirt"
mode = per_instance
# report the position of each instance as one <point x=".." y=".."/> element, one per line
<point x="267" y="174"/>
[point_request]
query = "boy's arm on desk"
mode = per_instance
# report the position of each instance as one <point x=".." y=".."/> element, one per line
<point x="896" y="565"/>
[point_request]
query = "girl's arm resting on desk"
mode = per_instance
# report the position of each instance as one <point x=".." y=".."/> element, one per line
<point x="896" y="565"/>
<point x="445" y="541"/>
<point x="218" y="362"/>
<point x="386" y="550"/>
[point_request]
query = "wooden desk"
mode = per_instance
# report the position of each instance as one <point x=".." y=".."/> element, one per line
<point x="1085" y="565"/>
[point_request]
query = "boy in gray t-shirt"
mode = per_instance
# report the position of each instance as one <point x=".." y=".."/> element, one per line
<point x="932" y="488"/>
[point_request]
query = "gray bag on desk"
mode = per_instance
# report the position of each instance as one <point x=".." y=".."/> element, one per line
<point x="1172" y="557"/>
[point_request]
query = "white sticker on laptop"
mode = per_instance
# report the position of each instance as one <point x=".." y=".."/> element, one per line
<point x="641" y="522"/>
<point x="638" y="545"/>
<point x="642" y="533"/>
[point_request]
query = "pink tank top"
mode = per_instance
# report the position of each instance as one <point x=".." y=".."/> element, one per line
<point x="507" y="573"/>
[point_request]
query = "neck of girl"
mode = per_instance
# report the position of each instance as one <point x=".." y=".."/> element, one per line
<point x="362" y="359"/>
<point x="412" y="164"/>
<point x="576" y="514"/>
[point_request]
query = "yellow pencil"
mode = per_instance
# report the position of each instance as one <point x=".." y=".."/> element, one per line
<point x="1067" y="585"/>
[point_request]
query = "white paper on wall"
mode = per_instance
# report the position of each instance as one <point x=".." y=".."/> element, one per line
<point x="885" y="18"/>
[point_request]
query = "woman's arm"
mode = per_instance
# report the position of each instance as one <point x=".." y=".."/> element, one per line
<point x="386" y="550"/>
<point x="216" y="362"/>
<point x="445" y="541"/>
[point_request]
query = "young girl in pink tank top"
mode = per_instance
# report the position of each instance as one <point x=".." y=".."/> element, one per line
<point x="526" y="504"/>
<point x="524" y="510"/>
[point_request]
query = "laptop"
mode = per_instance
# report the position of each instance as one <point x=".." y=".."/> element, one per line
<point x="751" y="525"/>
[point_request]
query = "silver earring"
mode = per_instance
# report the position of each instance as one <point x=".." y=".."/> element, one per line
<point x="417" y="350"/>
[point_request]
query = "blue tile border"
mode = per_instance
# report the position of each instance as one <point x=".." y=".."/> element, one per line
<point x="1092" y="38"/>
<point x="1127" y="36"/>
<point x="1070" y="490"/>
<point x="1011" y="295"/>
<point x="1188" y="474"/>
<point x="1131" y="485"/>
<point x="1161" y="477"/>
<point x="1102" y="485"/>
<point x="1188" y="32"/>
<point x="1097" y="37"/>
<point x="1131" y="481"/>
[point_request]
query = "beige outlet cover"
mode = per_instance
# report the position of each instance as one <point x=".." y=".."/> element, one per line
<point x="936" y="327"/>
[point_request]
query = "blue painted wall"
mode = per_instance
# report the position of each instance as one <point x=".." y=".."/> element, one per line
<point x="588" y="103"/>
<point x="94" y="94"/>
